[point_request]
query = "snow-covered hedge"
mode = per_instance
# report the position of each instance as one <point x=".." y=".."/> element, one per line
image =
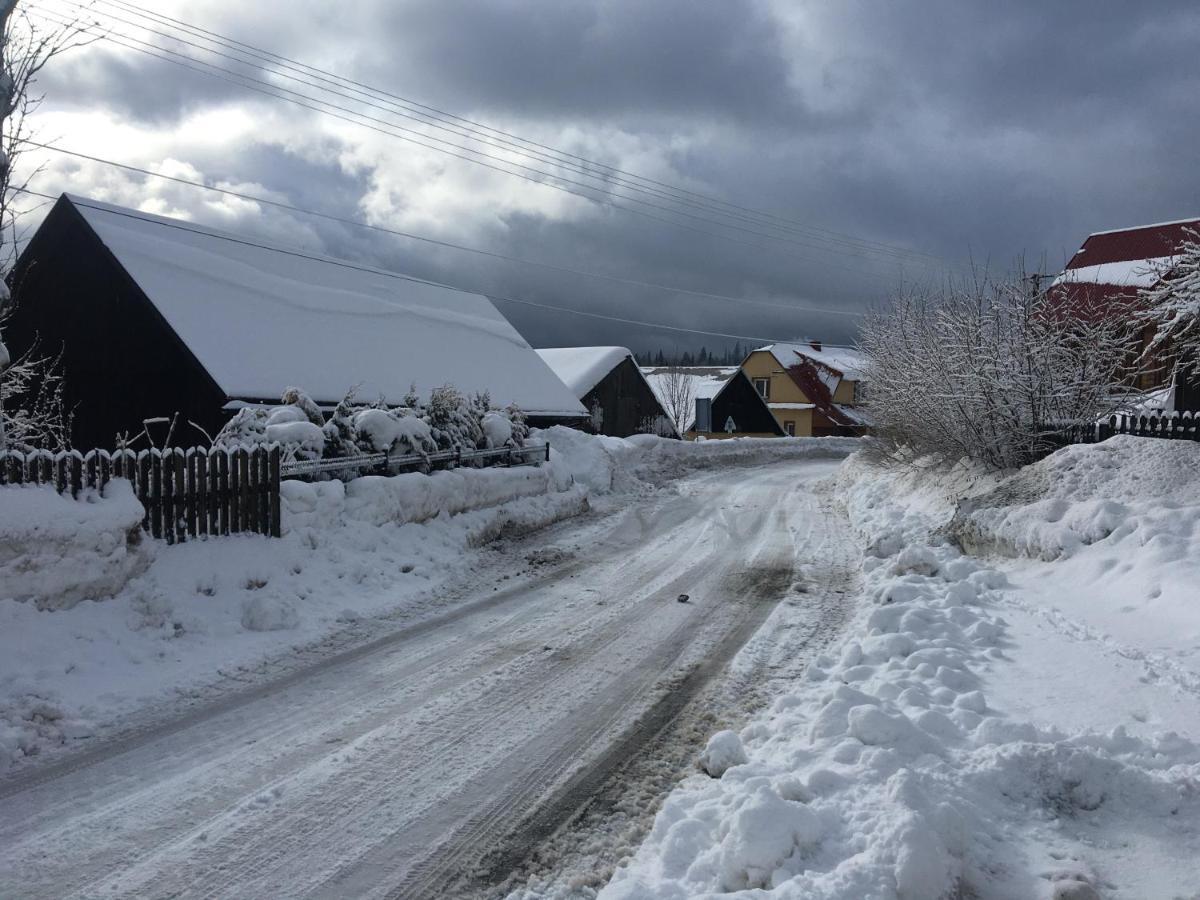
<point x="450" y="420"/>
<point x="56" y="551"/>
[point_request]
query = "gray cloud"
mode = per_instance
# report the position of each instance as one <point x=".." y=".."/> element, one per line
<point x="958" y="129"/>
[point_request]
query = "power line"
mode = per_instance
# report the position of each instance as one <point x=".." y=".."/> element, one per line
<point x="434" y="241"/>
<point x="445" y="121"/>
<point x="305" y="101"/>
<point x="345" y="264"/>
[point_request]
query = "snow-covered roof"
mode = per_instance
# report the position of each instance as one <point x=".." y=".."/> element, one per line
<point x="260" y="317"/>
<point x="1123" y="273"/>
<point x="850" y="364"/>
<point x="792" y="406"/>
<point x="706" y="383"/>
<point x="582" y="368"/>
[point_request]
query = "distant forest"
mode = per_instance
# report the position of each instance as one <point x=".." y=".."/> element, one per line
<point x="730" y="356"/>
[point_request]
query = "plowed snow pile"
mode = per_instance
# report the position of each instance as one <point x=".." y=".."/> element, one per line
<point x="974" y="739"/>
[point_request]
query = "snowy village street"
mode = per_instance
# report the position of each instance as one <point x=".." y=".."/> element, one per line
<point x="396" y="769"/>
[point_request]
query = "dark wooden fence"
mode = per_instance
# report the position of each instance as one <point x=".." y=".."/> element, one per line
<point x="186" y="493"/>
<point x="1175" y="426"/>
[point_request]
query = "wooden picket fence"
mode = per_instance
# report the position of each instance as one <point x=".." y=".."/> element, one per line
<point x="187" y="493"/>
<point x="1173" y="426"/>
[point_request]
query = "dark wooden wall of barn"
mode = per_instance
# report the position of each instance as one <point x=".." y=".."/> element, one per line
<point x="122" y="363"/>
<point x="1187" y="393"/>
<point x="741" y="401"/>
<point x="625" y="401"/>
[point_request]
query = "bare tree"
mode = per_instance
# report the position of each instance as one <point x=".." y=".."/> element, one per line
<point x="678" y="396"/>
<point x="991" y="370"/>
<point x="1173" y="310"/>
<point x="32" y="385"/>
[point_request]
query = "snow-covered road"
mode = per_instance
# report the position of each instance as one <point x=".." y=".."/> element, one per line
<point x="400" y="767"/>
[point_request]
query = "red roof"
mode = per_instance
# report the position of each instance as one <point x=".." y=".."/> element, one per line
<point x="1143" y="242"/>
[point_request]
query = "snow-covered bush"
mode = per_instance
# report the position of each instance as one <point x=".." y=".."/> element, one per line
<point x="990" y="371"/>
<point x="1173" y="309"/>
<point x="450" y="421"/>
<point x="293" y="424"/>
<point x="454" y="419"/>
<point x="396" y="431"/>
<point x="33" y="414"/>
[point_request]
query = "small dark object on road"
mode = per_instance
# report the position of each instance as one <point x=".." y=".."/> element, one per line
<point x="683" y="598"/>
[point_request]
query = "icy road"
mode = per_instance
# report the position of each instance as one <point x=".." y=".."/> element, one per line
<point x="432" y="760"/>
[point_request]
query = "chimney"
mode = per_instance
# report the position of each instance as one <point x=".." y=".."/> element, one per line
<point x="816" y="345"/>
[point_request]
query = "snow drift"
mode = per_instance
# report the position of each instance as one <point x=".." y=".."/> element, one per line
<point x="58" y="550"/>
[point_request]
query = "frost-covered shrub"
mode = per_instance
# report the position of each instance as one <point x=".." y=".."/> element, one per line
<point x="395" y="431"/>
<point x="453" y="419"/>
<point x="988" y="371"/>
<point x="450" y="421"/>
<point x="293" y="424"/>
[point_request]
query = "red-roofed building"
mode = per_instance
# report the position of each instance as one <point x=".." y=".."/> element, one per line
<point x="1105" y="276"/>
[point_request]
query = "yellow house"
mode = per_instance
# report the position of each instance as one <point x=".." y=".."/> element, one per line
<point x="810" y="389"/>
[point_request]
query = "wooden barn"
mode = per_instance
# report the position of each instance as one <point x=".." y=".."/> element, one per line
<point x="608" y="382"/>
<point x="158" y="317"/>
<point x="1103" y="280"/>
<point x="712" y="401"/>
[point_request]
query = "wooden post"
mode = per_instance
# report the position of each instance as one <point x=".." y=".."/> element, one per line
<point x="166" y="496"/>
<point x="144" y="488"/>
<point x="200" y="490"/>
<point x="46" y="467"/>
<point x="273" y="460"/>
<point x="233" y="523"/>
<point x="91" y="469"/>
<point x="75" y="460"/>
<point x="179" y="507"/>
<point x="244" y="493"/>
<point x="104" y="474"/>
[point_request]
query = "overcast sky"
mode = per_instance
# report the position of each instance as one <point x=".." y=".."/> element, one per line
<point x="935" y="132"/>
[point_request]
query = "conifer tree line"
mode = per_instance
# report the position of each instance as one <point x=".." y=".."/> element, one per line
<point x="726" y="356"/>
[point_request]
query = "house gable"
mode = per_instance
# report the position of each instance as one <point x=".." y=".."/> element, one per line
<point x="123" y="363"/>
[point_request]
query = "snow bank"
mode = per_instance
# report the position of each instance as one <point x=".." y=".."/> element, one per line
<point x="56" y="551"/>
<point x="414" y="497"/>
<point x="1126" y="488"/>
<point x="890" y="772"/>
<point x="607" y="464"/>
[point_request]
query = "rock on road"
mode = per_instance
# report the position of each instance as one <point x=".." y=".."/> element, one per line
<point x="394" y="769"/>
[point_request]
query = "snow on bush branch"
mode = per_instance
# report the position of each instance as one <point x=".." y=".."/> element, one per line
<point x="1173" y="309"/>
<point x="990" y="371"/>
<point x="450" y="420"/>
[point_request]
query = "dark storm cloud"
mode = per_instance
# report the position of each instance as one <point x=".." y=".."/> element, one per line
<point x="958" y="129"/>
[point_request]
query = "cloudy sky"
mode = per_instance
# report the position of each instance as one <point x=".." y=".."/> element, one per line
<point x="829" y="151"/>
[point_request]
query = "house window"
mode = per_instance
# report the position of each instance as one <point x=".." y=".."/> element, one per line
<point x="763" y="386"/>
<point x="790" y="427"/>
